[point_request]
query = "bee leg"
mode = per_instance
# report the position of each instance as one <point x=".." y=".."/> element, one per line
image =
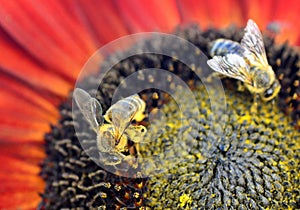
<point x="137" y="148"/>
<point x="241" y="87"/>
<point x="273" y="102"/>
<point x="254" y="105"/>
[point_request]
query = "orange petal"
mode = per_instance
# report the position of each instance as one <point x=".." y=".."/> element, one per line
<point x="23" y="199"/>
<point x="145" y="15"/>
<point x="99" y="18"/>
<point x="22" y="120"/>
<point x="287" y="15"/>
<point x="41" y="30"/>
<point x="21" y="168"/>
<point x="15" y="104"/>
<point x="26" y="92"/>
<point x="21" y="135"/>
<point x="14" y="129"/>
<point x="194" y="11"/>
<point x="224" y="13"/>
<point x="30" y="152"/>
<point x="20" y="184"/>
<point x="259" y="11"/>
<point x="211" y="13"/>
<point x="14" y="61"/>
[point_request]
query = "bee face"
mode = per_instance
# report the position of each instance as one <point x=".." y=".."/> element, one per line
<point x="265" y="83"/>
<point x="113" y="136"/>
<point x="261" y="80"/>
<point x="247" y="62"/>
<point x="272" y="91"/>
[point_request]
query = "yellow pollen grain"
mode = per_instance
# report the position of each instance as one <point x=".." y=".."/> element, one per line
<point x="247" y="118"/>
<point x="185" y="199"/>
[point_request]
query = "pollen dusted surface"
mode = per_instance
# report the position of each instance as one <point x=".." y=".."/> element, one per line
<point x="255" y="164"/>
<point x="225" y="158"/>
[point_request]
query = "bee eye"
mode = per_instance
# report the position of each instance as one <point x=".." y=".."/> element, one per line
<point x="272" y="91"/>
<point x="268" y="93"/>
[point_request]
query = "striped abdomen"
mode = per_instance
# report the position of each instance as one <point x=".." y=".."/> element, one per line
<point x="126" y="110"/>
<point x="222" y="47"/>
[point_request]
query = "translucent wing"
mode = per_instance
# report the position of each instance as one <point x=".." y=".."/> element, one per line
<point x="123" y="108"/>
<point x="105" y="139"/>
<point x="136" y="133"/>
<point x="90" y="108"/>
<point x="139" y="115"/>
<point x="231" y="65"/>
<point x="253" y="41"/>
<point x="123" y="112"/>
<point x="120" y="116"/>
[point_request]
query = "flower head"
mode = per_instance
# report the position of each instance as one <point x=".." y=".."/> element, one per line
<point x="44" y="46"/>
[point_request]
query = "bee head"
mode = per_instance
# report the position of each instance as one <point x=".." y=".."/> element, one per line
<point x="262" y="79"/>
<point x="271" y="92"/>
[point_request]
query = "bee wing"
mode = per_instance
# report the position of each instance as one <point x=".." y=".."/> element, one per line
<point x="253" y="41"/>
<point x="105" y="138"/>
<point x="121" y="120"/>
<point x="231" y="65"/>
<point x="139" y="115"/>
<point x="89" y="107"/>
<point x="121" y="109"/>
<point x="136" y="133"/>
<point x="123" y="112"/>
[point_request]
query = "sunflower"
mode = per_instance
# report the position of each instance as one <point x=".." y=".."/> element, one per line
<point x="46" y="43"/>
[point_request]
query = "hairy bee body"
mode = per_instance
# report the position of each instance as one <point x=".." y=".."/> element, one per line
<point x="114" y="129"/>
<point x="125" y="111"/>
<point x="223" y="47"/>
<point x="246" y="61"/>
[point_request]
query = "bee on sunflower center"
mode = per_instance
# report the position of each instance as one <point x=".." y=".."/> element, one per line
<point x="114" y="129"/>
<point x="246" y="62"/>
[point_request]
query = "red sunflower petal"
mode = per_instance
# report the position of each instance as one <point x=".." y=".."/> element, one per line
<point x="26" y="92"/>
<point x="14" y="61"/>
<point x="44" y="30"/>
<point x="212" y="13"/>
<point x="21" y="120"/>
<point x="23" y="199"/>
<point x="29" y="152"/>
<point x="287" y="16"/>
<point x="12" y="130"/>
<point x="145" y="15"/>
<point x="99" y="18"/>
<point x="194" y="11"/>
<point x="259" y="11"/>
<point x="19" y="184"/>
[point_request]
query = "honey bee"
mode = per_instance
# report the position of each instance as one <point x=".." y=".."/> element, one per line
<point x="246" y="62"/>
<point x="114" y="129"/>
